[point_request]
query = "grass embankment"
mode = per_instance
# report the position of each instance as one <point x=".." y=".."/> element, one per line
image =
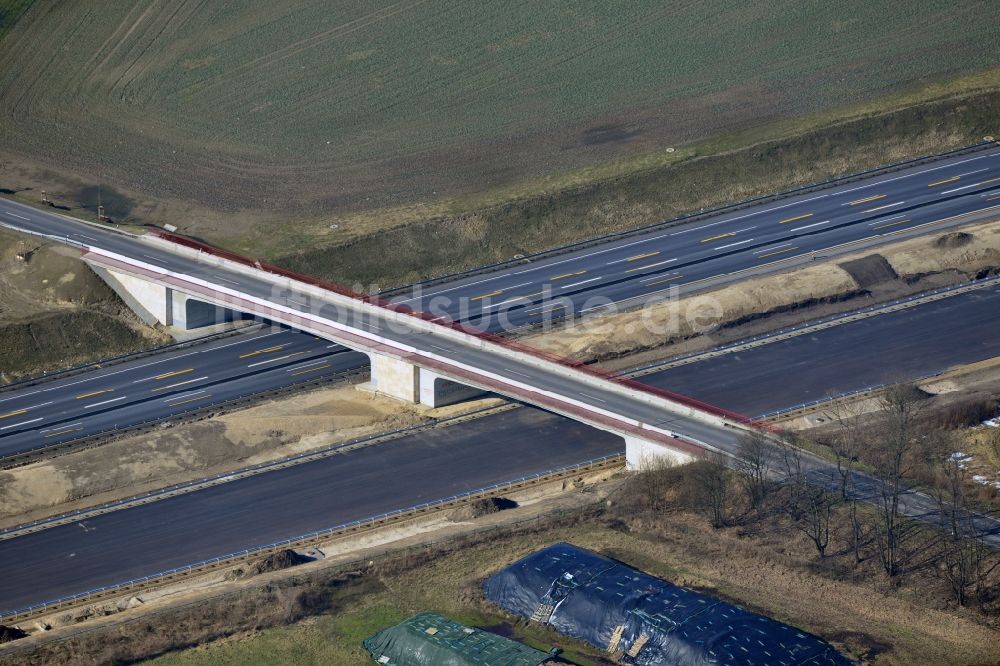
<point x="10" y="12"/>
<point x="707" y="174"/>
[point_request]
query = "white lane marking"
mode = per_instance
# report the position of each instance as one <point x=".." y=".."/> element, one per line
<point x="540" y="267"/>
<point x="299" y="303"/>
<point x="240" y="342"/>
<point x="773" y="247"/>
<point x="545" y="308"/>
<point x="118" y="372"/>
<point x="585" y="395"/>
<point x="742" y="242"/>
<point x="966" y="187"/>
<point x="892" y="205"/>
<point x="519" y="374"/>
<point x="182" y="396"/>
<point x="969" y="173"/>
<point x="576" y="284"/>
<point x="20" y="217"/>
<point x="86" y="236"/>
<point x="14" y="425"/>
<point x="98" y="404"/>
<point x="740" y="217"/>
<point x="297" y="367"/>
<point x="651" y="278"/>
<point x="814" y="224"/>
<point x="439" y="348"/>
<point x="60" y="427"/>
<point x="331" y="346"/>
<point x="503" y="303"/>
<point x="659" y="263"/>
<point x="149" y="256"/>
<point x="190" y="381"/>
<point x="219" y="277"/>
<point x="887" y="219"/>
<point x="41" y="404"/>
<point x="917" y="173"/>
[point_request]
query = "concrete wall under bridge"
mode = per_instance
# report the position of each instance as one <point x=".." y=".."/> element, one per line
<point x="158" y="304"/>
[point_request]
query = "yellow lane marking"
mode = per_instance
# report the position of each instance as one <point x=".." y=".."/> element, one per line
<point x="305" y="372"/>
<point x="200" y="397"/>
<point x="713" y="238"/>
<point x="565" y="275"/>
<point x="991" y="180"/>
<point x="771" y="254"/>
<point x="93" y="393"/>
<point x="867" y="199"/>
<point x="262" y="351"/>
<point x="890" y="224"/>
<point x="17" y="413"/>
<point x="492" y="293"/>
<point x="174" y="374"/>
<point x="170" y="386"/>
<point x="537" y="293"/>
<point x="62" y="432"/>
<point x="942" y="182"/>
<point x="796" y="218"/>
<point x="993" y="198"/>
<point x="672" y="277"/>
<point x="642" y="256"/>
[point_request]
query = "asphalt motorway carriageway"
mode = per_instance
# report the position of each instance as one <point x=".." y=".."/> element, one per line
<point x="276" y="505"/>
<point x="434" y="464"/>
<point x="682" y="257"/>
<point x="896" y="346"/>
<point x="164" y="385"/>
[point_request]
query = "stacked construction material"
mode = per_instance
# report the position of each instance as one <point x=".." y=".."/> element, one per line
<point x="643" y="620"/>
<point x="428" y="639"/>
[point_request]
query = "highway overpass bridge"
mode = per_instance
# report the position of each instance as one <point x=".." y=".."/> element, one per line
<point x="413" y="358"/>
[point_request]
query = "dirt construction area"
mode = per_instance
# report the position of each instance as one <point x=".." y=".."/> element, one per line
<point x="55" y="312"/>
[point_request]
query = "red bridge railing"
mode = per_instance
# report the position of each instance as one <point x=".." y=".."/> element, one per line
<point x="469" y="330"/>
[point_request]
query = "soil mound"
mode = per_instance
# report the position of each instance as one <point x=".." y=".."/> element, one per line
<point x="954" y="239"/>
<point x="8" y="634"/>
<point x="283" y="559"/>
<point x="870" y="271"/>
<point x="482" y="507"/>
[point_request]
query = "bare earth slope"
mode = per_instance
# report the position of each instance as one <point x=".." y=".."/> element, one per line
<point x="54" y="312"/>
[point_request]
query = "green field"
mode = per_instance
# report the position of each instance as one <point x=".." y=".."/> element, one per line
<point x="311" y="108"/>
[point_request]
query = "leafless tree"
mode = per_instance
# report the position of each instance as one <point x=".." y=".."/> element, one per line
<point x="754" y="461"/>
<point x="967" y="562"/>
<point x="847" y="444"/>
<point x="809" y="505"/>
<point x="897" y="438"/>
<point x="993" y="443"/>
<point x="653" y="480"/>
<point x="709" y="489"/>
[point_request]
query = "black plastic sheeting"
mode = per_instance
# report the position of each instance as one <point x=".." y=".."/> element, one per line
<point x="644" y="620"/>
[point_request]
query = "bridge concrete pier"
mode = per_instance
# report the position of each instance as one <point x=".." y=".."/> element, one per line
<point x="158" y="304"/>
<point x="641" y="454"/>
<point x="407" y="382"/>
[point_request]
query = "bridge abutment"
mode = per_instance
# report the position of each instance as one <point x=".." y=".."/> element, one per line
<point x="641" y="454"/>
<point x="158" y="304"/>
<point x="407" y="382"/>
